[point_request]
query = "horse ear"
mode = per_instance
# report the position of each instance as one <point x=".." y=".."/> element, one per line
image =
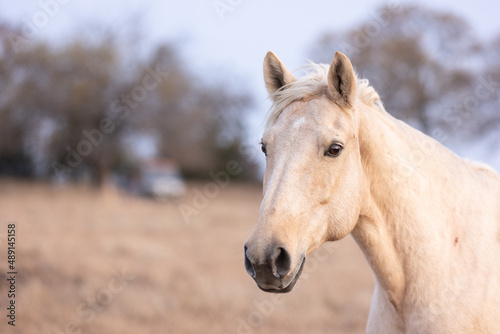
<point x="276" y="75"/>
<point x="342" y="81"/>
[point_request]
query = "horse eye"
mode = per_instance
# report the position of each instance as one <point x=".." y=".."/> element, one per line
<point x="334" y="150"/>
<point x="263" y="148"/>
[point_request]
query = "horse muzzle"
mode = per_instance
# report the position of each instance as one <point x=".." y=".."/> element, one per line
<point x="273" y="272"/>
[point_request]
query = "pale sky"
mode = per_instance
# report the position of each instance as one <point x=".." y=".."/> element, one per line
<point x="238" y="42"/>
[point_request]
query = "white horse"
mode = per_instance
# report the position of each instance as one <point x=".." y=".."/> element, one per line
<point x="427" y="221"/>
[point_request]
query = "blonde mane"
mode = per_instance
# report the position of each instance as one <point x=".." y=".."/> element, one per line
<point x="314" y="82"/>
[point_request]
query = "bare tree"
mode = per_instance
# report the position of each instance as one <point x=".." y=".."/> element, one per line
<point x="56" y="100"/>
<point x="197" y="124"/>
<point x="15" y="124"/>
<point x="415" y="57"/>
<point x="67" y="110"/>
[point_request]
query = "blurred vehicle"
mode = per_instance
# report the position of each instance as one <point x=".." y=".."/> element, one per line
<point x="161" y="179"/>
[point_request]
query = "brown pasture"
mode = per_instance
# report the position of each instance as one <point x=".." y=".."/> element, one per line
<point x="106" y="262"/>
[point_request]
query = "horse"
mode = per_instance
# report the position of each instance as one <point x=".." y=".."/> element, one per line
<point x="426" y="220"/>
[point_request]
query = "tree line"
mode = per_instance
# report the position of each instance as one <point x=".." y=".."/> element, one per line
<point x="73" y="111"/>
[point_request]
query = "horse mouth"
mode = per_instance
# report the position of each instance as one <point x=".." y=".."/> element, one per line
<point x="290" y="285"/>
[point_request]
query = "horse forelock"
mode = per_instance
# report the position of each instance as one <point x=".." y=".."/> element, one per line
<point x="314" y="84"/>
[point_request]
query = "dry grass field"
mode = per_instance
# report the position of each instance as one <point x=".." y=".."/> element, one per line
<point x="106" y="262"/>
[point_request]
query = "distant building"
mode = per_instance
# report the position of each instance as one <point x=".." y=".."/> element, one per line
<point x="161" y="179"/>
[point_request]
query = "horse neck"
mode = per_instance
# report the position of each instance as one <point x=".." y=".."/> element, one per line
<point x="401" y="166"/>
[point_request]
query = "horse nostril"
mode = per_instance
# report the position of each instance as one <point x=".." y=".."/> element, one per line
<point x="248" y="264"/>
<point x="281" y="262"/>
